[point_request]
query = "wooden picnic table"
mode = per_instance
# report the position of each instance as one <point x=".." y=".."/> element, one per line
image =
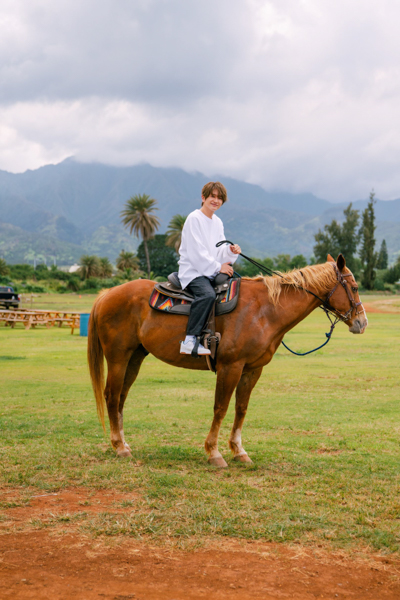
<point x="31" y="318"/>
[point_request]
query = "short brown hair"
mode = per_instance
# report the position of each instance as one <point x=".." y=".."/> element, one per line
<point x="215" y="185"/>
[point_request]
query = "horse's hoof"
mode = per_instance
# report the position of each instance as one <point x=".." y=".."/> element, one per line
<point x="243" y="458"/>
<point x="218" y="462"/>
<point x="125" y="453"/>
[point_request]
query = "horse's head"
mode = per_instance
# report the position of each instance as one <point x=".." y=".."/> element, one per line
<point x="344" y="298"/>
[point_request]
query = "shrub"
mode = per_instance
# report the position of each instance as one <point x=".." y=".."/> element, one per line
<point x="379" y="285"/>
<point x="42" y="272"/>
<point x="22" y="271"/>
<point x="73" y="284"/>
<point x="35" y="289"/>
<point x="92" y="283"/>
<point x="4" y="280"/>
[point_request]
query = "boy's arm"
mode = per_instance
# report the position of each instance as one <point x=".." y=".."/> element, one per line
<point x="224" y="252"/>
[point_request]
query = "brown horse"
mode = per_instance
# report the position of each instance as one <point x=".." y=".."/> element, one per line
<point x="124" y="329"/>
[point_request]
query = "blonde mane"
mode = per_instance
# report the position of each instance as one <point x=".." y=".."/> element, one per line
<point x="319" y="278"/>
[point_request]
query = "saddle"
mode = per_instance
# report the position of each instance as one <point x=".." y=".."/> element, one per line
<point x="168" y="296"/>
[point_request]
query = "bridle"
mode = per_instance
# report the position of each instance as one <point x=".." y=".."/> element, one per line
<point x="353" y="304"/>
<point x="325" y="305"/>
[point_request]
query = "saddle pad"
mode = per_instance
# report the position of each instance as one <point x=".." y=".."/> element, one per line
<point x="226" y="302"/>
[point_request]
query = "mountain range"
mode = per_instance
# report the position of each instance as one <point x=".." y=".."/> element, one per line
<point x="59" y="212"/>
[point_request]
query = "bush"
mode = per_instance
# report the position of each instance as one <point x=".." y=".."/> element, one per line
<point x="4" y="280"/>
<point x="379" y="285"/>
<point x="4" y="270"/>
<point x="393" y="274"/>
<point x="21" y="271"/>
<point x="247" y="269"/>
<point x="42" y="272"/>
<point x="92" y="283"/>
<point x="73" y="284"/>
<point x="35" y="289"/>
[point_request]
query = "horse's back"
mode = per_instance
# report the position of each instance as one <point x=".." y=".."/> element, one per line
<point x="122" y="297"/>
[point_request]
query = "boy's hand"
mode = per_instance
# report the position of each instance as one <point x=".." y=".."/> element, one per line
<point x="227" y="268"/>
<point x="236" y="249"/>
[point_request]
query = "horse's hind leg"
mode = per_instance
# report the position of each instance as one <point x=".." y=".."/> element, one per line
<point x="243" y="391"/>
<point x="112" y="394"/>
<point x="130" y="376"/>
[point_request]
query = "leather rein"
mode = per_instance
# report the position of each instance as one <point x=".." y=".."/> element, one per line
<point x="328" y="309"/>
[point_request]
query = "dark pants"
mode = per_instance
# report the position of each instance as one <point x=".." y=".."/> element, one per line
<point x="204" y="298"/>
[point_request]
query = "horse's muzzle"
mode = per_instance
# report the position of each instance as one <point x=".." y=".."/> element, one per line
<point x="359" y="325"/>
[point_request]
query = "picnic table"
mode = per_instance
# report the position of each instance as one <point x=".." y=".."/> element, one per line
<point x="31" y="318"/>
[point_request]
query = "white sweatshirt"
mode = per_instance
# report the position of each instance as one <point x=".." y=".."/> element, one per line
<point x="198" y="254"/>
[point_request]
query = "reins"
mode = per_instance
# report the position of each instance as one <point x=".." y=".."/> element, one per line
<point x="329" y="310"/>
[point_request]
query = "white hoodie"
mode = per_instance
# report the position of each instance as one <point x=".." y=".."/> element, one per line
<point x="198" y="254"/>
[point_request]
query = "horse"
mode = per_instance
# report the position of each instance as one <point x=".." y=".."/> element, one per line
<point x="125" y="329"/>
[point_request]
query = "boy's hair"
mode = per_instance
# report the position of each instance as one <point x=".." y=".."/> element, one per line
<point x="215" y="185"/>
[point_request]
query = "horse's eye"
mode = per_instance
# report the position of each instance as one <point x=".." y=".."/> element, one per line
<point x="355" y="290"/>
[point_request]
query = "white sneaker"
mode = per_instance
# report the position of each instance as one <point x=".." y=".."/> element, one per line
<point x="187" y="347"/>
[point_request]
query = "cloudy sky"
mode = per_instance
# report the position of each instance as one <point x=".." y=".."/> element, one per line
<point x="296" y="95"/>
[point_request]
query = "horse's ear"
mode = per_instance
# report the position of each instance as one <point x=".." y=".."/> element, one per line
<point x="341" y="263"/>
<point x="330" y="258"/>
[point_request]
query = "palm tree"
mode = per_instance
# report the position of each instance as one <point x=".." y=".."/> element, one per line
<point x="127" y="260"/>
<point x="174" y="231"/>
<point x="105" y="268"/>
<point x="138" y="218"/>
<point x="89" y="266"/>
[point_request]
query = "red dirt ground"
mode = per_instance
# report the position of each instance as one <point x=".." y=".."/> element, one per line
<point x="51" y="564"/>
<point x="383" y="305"/>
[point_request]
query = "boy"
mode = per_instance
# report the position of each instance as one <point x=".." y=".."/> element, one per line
<point x="200" y="261"/>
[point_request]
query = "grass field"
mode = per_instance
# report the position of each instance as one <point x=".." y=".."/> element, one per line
<point x="323" y="432"/>
<point x="65" y="302"/>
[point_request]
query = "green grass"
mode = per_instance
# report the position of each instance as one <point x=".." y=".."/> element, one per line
<point x="67" y="302"/>
<point x="323" y="432"/>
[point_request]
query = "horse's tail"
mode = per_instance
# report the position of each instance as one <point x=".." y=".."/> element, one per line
<point x="96" y="363"/>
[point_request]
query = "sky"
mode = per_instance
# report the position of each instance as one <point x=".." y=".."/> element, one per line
<point x="294" y="95"/>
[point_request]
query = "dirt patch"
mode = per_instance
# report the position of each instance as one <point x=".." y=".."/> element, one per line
<point x="63" y="565"/>
<point x="333" y="451"/>
<point x="383" y="305"/>
<point x="23" y="507"/>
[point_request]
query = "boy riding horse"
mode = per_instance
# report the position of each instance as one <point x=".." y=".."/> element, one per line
<point x="200" y="261"/>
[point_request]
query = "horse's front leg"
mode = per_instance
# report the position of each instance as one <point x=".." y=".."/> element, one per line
<point x="228" y="377"/>
<point x="243" y="391"/>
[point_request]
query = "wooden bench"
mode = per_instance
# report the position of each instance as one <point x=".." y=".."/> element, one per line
<point x="39" y="317"/>
<point x="71" y="319"/>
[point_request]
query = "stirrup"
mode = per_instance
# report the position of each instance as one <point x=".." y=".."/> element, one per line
<point x="196" y="347"/>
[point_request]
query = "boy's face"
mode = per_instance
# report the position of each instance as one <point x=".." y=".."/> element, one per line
<point x="213" y="202"/>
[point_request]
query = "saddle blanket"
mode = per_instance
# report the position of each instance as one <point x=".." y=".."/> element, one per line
<point x="178" y="302"/>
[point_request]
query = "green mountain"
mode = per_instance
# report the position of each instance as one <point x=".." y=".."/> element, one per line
<point x="72" y="208"/>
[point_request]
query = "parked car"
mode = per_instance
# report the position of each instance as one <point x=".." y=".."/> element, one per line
<point x="8" y="297"/>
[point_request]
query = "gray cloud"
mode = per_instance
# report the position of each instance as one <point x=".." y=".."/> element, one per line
<point x="295" y="96"/>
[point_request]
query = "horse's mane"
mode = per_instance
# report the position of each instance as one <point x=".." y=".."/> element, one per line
<point x="319" y="277"/>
